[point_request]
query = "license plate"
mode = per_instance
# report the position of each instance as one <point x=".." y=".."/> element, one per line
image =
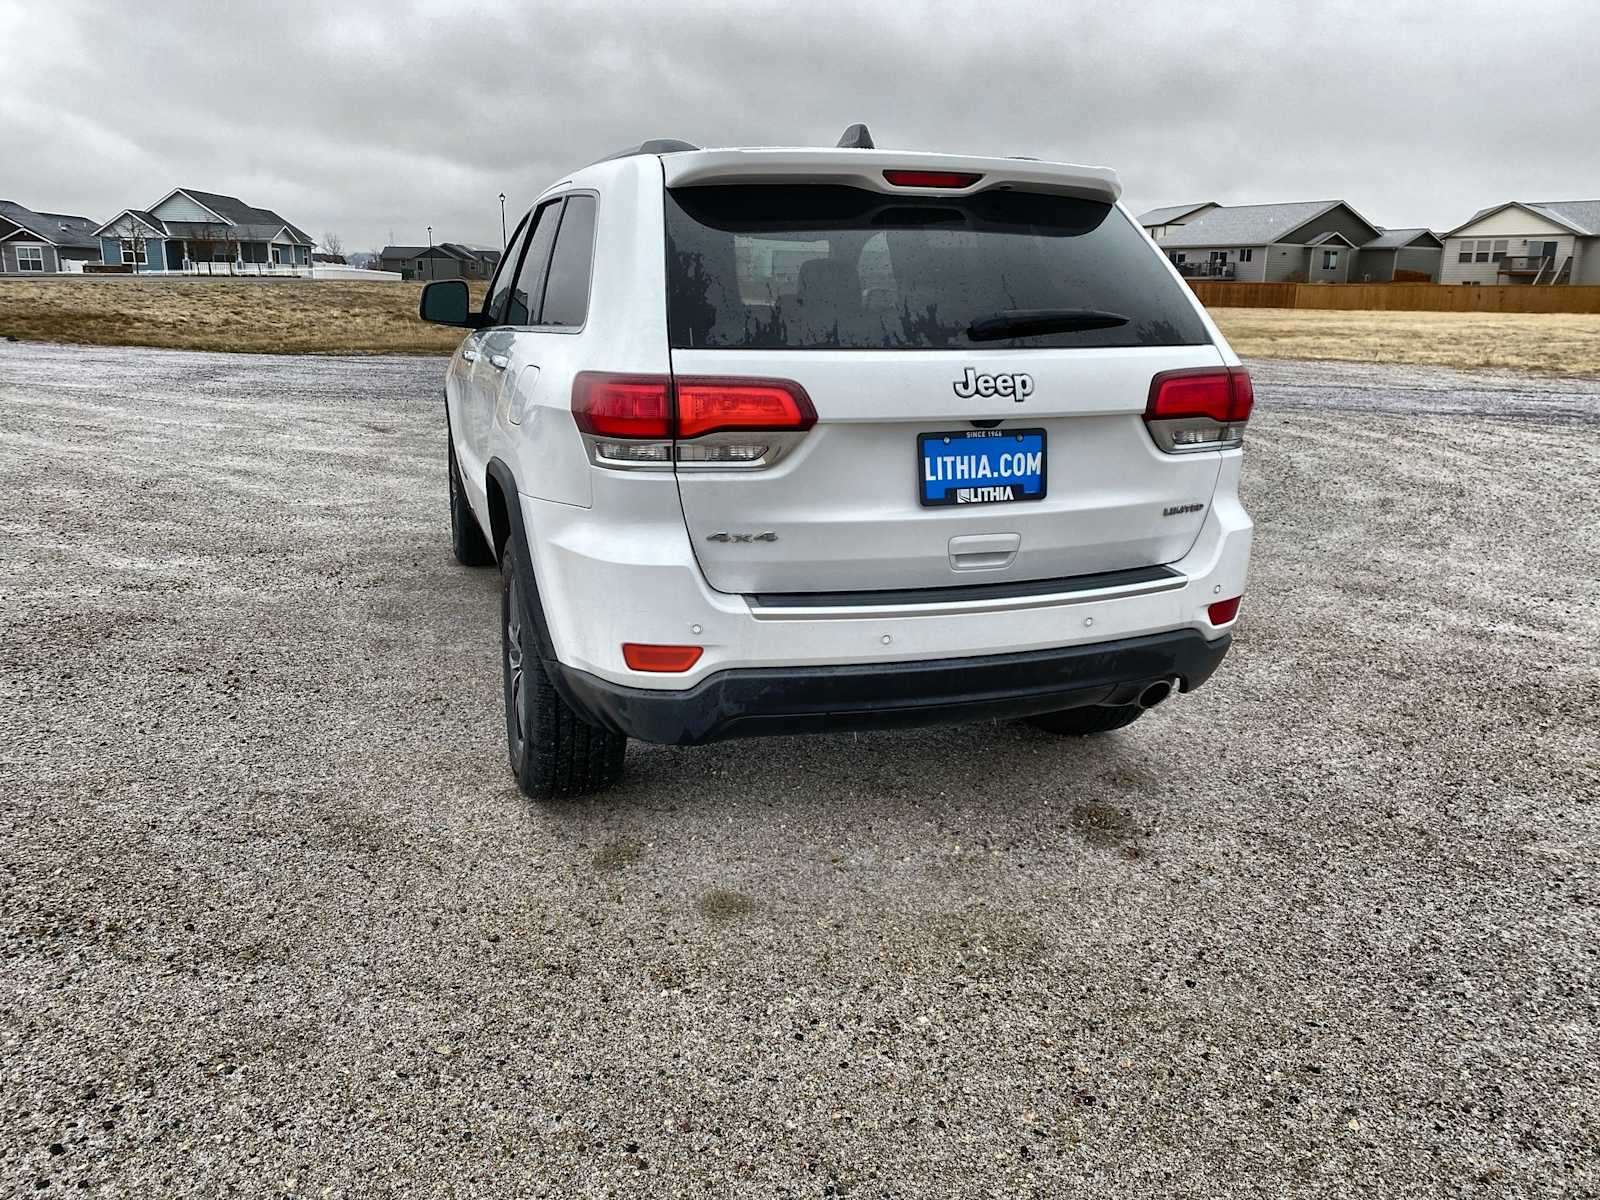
<point x="980" y="466"/>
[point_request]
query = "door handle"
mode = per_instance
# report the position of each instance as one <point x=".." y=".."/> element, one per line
<point x="470" y="355"/>
<point x="499" y="361"/>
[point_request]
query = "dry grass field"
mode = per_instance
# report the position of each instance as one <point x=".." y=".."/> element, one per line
<point x="1555" y="343"/>
<point x="253" y="316"/>
<point x="380" y="318"/>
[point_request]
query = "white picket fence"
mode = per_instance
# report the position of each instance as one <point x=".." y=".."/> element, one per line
<point x="243" y="268"/>
<point x="312" y="271"/>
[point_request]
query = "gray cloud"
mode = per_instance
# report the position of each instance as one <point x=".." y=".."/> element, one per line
<point x="372" y="116"/>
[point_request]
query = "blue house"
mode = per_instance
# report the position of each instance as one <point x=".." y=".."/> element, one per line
<point x="204" y="233"/>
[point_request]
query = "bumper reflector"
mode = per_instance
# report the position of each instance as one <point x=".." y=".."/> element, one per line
<point x="1224" y="611"/>
<point x="665" y="659"/>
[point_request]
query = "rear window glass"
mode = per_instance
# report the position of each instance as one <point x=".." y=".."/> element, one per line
<point x="813" y="267"/>
<point x="566" y="293"/>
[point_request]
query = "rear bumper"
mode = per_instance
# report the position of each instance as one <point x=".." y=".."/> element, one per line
<point x="604" y="580"/>
<point x="772" y="700"/>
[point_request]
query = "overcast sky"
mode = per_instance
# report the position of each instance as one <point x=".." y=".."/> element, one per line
<point x="376" y="118"/>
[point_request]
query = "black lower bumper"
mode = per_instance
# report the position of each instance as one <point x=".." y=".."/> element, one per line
<point x="755" y="701"/>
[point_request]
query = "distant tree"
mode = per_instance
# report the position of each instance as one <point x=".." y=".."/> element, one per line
<point x="134" y="244"/>
<point x="209" y="240"/>
<point x="333" y="243"/>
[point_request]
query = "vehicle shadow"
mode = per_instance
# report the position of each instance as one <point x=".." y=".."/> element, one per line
<point x="995" y="773"/>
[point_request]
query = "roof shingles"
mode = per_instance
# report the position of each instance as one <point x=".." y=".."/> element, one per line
<point x="246" y="216"/>
<point x="1165" y="216"/>
<point x="1582" y="215"/>
<point x="1247" y="224"/>
<point x="59" y="229"/>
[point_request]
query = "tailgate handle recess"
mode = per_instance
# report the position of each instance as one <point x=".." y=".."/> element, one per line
<point x="984" y="551"/>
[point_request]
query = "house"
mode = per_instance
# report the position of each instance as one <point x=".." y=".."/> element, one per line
<point x="1399" y="256"/>
<point x="1309" y="241"/>
<point x="1526" y="242"/>
<point x="204" y="233"/>
<point x="447" y="260"/>
<point x="472" y="262"/>
<point x="399" y="258"/>
<point x="44" y="243"/>
<point x="1159" y="222"/>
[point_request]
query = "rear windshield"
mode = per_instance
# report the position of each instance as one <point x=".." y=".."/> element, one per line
<point x="825" y="267"/>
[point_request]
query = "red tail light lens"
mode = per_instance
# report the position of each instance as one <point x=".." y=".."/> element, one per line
<point x="622" y="406"/>
<point x="1221" y="395"/>
<point x="932" y="179"/>
<point x="1223" y="611"/>
<point x="713" y="405"/>
<point x="1202" y="408"/>
<point x="661" y="659"/>
<point x="1244" y="394"/>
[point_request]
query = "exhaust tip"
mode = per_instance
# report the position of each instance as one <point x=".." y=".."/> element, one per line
<point x="1156" y="693"/>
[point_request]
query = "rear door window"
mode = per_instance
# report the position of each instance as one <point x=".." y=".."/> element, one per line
<point x="566" y="290"/>
<point x="754" y="267"/>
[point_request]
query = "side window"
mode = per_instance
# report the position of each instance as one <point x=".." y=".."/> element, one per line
<point x="528" y="291"/>
<point x="566" y="294"/>
<point x="494" y="302"/>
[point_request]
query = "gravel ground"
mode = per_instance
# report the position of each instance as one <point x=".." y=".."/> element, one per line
<point x="275" y="921"/>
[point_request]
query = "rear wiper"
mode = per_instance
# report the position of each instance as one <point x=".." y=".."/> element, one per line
<point x="1026" y="322"/>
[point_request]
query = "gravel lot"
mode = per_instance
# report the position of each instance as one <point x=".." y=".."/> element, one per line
<point x="275" y="921"/>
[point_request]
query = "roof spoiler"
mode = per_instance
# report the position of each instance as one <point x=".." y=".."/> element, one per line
<point x="847" y="165"/>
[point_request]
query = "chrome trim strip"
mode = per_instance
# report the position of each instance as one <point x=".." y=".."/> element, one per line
<point x="965" y="607"/>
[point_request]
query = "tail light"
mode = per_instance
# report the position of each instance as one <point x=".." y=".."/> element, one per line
<point x="715" y="405"/>
<point x="694" y="421"/>
<point x="628" y="418"/>
<point x="1204" y="408"/>
<point x="932" y="179"/>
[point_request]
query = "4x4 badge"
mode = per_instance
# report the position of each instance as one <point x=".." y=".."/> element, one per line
<point x="767" y="536"/>
<point x="1018" y="386"/>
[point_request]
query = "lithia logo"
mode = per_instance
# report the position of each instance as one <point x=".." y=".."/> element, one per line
<point x="1018" y="386"/>
<point x="1177" y="510"/>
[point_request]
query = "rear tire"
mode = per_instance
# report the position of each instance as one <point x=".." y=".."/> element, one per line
<point x="553" y="751"/>
<point x="471" y="548"/>
<point x="1081" y="722"/>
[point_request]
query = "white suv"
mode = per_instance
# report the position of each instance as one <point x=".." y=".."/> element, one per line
<point x="799" y="440"/>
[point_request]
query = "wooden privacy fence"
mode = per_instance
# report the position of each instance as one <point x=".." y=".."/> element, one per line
<point x="1400" y="297"/>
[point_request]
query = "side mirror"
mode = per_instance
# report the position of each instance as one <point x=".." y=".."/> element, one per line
<point x="447" y="303"/>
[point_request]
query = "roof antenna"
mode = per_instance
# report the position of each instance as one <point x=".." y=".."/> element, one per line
<point x="857" y="138"/>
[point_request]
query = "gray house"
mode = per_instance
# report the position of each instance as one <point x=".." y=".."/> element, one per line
<point x="1543" y="242"/>
<point x="204" y="233"/>
<point x="399" y="258"/>
<point x="1312" y="241"/>
<point x="41" y="243"/>
<point x="1412" y="255"/>
<point x="446" y="260"/>
<point x="1159" y="222"/>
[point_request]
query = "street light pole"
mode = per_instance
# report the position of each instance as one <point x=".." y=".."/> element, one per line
<point x="502" y="222"/>
<point x="430" y="253"/>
